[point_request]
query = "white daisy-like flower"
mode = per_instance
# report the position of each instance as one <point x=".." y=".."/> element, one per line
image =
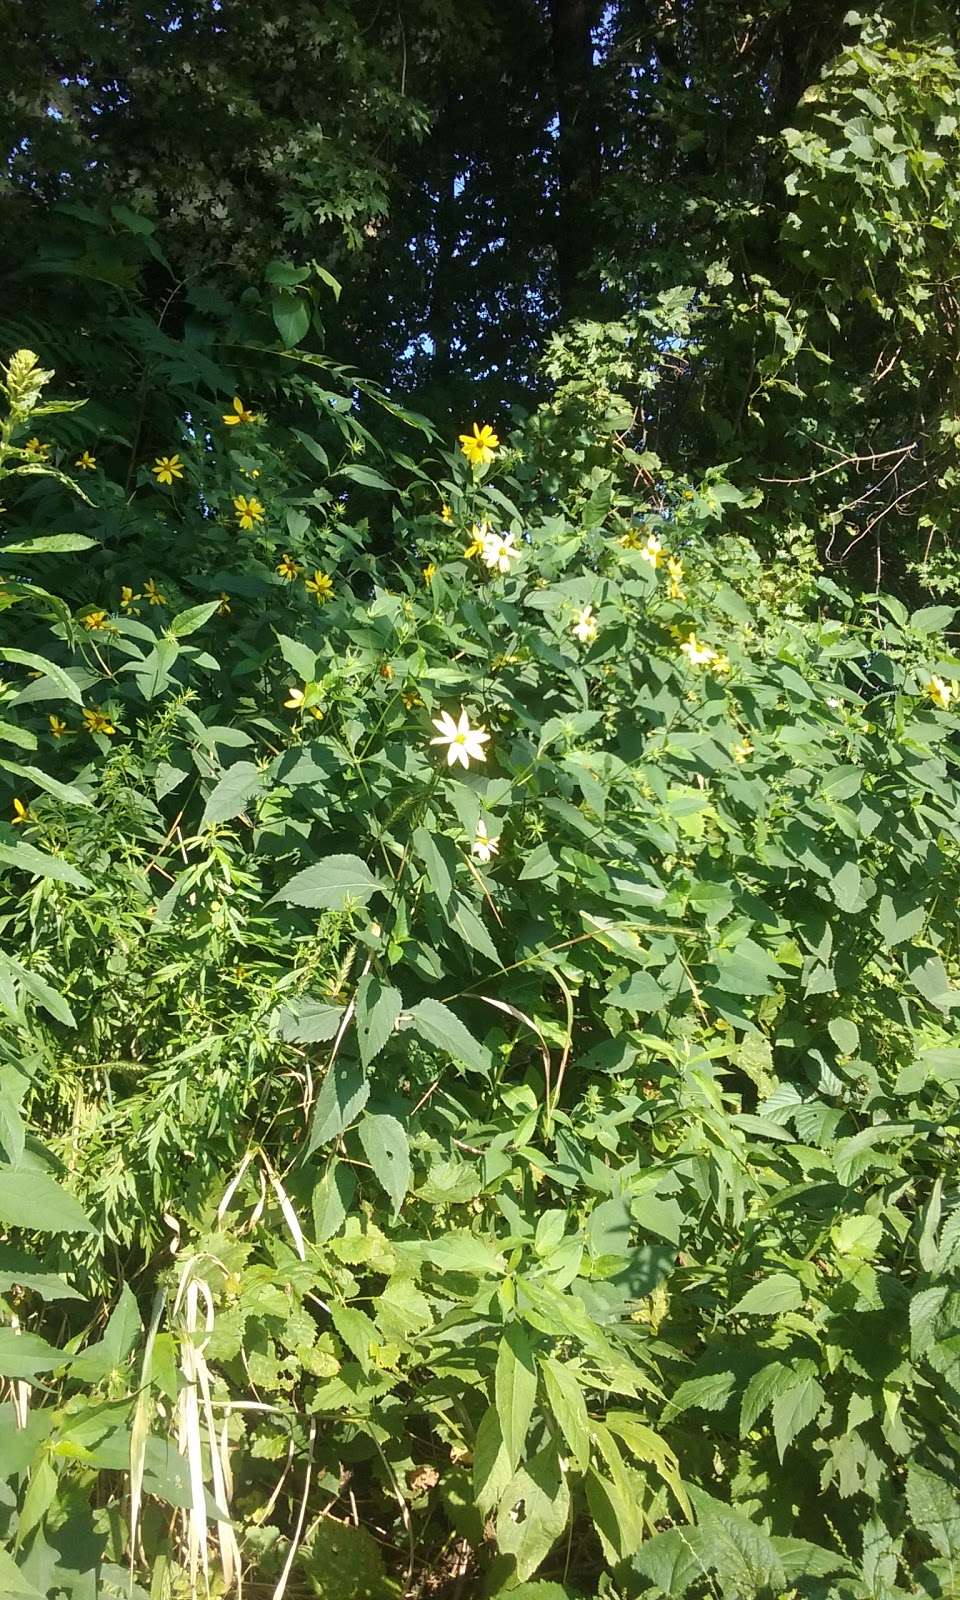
<point x="483" y="846"/>
<point x="698" y="655"/>
<point x="585" y="625"/>
<point x="499" y="550"/>
<point x="465" y="743"/>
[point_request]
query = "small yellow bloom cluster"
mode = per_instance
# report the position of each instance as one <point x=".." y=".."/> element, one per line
<point x="152" y="593"/>
<point x="128" y="599"/>
<point x="675" y="589"/>
<point x="429" y="573"/>
<point x="288" y="569"/>
<point x="94" y="621"/>
<point x="86" y="461"/>
<point x="446" y="513"/>
<point x="743" y="750"/>
<point x="943" y="693"/>
<point x="57" y="726"/>
<point x="39" y="452"/>
<point x="480" y="446"/>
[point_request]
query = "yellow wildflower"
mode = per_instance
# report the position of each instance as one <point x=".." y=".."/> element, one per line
<point x="386" y="671"/>
<point x="631" y="540"/>
<point x="675" y="578"/>
<point x="297" y="701"/>
<point x="20" y="813"/>
<point x="941" y="692"/>
<point x="321" y="587"/>
<point x="288" y="569"/>
<point x="249" y="512"/>
<point x="238" y="414"/>
<point x="480" y="446"/>
<point x="742" y="750"/>
<point x="86" y="461"/>
<point x="411" y="699"/>
<point x="166" y="468"/>
<point x="40" y="452"/>
<point x="429" y="573"/>
<point x="446" y="513"/>
<point x="224" y="608"/>
<point x="479" y="533"/>
<point x="153" y="594"/>
<point x="97" y="722"/>
<point x="94" y="621"/>
<point x="57" y="726"/>
<point x="127" y="598"/>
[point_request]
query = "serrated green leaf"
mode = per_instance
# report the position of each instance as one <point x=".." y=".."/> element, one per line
<point x="437" y="1024"/>
<point x="386" y="1148"/>
<point x="331" y="883"/>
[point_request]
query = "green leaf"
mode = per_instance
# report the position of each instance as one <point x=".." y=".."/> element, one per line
<point x="797" y="1407"/>
<point x="491" y="1466"/>
<point x="343" y="1095"/>
<point x="49" y="544"/>
<point x="306" y="1021"/>
<point x="233" y="793"/>
<point x="533" y="1511"/>
<point x="378" y="1008"/>
<point x="60" y="791"/>
<point x="331" y="1200"/>
<point x="331" y="883"/>
<point x="469" y="926"/>
<point x="439" y="1026"/>
<point x="780" y="1292"/>
<point x="49" y="669"/>
<point x="385" y="1147"/>
<point x="933" y="619"/>
<point x="772" y="1380"/>
<point x="440" y="872"/>
<point x="123" y="1330"/>
<point x="707" y="1393"/>
<point x="365" y="476"/>
<point x="565" y="1395"/>
<point x="33" y="1200"/>
<point x="24" y="1355"/>
<point x="858" y="1236"/>
<point x="12" y="733"/>
<point x="515" y="1390"/>
<point x="741" y="1554"/>
<point x="299" y="656"/>
<point x="934" y="1509"/>
<point x="291" y="316"/>
<point x="189" y="621"/>
<point x="26" y="858"/>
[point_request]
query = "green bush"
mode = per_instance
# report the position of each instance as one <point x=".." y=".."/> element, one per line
<point x="477" y="1045"/>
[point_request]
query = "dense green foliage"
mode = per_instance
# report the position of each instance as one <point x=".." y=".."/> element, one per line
<point x="478" y="942"/>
